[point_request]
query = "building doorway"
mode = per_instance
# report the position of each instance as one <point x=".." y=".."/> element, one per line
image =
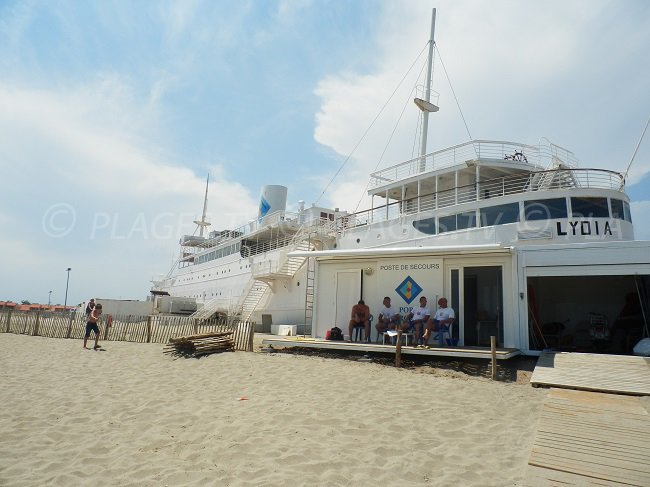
<point x="348" y="293"/>
<point x="482" y="305"/>
<point x="599" y="313"/>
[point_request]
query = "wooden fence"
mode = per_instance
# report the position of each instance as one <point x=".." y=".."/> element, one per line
<point x="126" y="328"/>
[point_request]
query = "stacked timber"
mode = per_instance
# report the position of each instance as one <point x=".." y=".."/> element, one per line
<point x="198" y="345"/>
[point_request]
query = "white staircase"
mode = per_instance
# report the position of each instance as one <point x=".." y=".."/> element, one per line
<point x="250" y="298"/>
<point x="208" y="309"/>
<point x="260" y="287"/>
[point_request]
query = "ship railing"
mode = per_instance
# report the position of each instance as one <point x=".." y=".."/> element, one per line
<point x="556" y="179"/>
<point x="281" y="264"/>
<point x="228" y="236"/>
<point x="266" y="268"/>
<point x="544" y="155"/>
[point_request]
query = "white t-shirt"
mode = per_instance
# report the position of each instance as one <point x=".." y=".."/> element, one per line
<point x="388" y="313"/>
<point x="444" y="314"/>
<point x="421" y="313"/>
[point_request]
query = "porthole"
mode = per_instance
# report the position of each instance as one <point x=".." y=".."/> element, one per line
<point x="358" y="240"/>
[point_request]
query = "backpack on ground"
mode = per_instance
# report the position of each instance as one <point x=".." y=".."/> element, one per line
<point x="335" y="334"/>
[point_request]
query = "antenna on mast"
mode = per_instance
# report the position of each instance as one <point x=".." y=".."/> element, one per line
<point x="636" y="150"/>
<point x="425" y="105"/>
<point x="202" y="223"/>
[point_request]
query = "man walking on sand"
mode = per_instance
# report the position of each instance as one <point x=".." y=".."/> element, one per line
<point x="91" y="325"/>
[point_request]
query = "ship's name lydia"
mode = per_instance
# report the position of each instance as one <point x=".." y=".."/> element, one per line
<point x="583" y="228"/>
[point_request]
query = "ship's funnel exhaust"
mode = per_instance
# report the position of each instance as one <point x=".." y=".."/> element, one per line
<point x="273" y="198"/>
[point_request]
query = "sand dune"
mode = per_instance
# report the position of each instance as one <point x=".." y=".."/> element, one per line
<point x="131" y="415"/>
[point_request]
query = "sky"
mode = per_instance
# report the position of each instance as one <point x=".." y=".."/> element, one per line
<point x="112" y="114"/>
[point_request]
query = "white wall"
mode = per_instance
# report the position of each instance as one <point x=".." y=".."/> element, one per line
<point x="381" y="277"/>
<point x="125" y="307"/>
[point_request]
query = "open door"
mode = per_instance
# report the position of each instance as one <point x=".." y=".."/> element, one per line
<point x="348" y="293"/>
<point x="483" y="305"/>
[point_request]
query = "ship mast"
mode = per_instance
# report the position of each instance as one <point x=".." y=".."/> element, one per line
<point x="425" y="105"/>
<point x="202" y="223"/>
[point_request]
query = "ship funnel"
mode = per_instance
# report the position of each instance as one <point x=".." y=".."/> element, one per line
<point x="272" y="198"/>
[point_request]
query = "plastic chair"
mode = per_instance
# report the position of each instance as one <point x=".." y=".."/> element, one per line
<point x="445" y="335"/>
<point x="360" y="328"/>
<point x="405" y="334"/>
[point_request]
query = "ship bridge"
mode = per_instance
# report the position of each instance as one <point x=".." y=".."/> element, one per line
<point x="469" y="174"/>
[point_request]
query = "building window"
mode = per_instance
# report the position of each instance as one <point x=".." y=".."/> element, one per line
<point x="427" y="225"/>
<point x="447" y="223"/>
<point x="626" y="211"/>
<point x="466" y="220"/>
<point x="500" y="214"/>
<point x="617" y="209"/>
<point x="545" y="209"/>
<point x="589" y="207"/>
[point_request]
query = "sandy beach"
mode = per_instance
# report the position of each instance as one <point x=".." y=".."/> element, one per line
<point x="132" y="415"/>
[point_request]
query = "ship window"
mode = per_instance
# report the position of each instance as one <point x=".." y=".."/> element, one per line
<point x="466" y="220"/>
<point x="331" y="216"/>
<point x="589" y="207"/>
<point x="447" y="223"/>
<point x="617" y="209"/>
<point x="627" y="213"/>
<point x="427" y="225"/>
<point x="545" y="209"/>
<point x="323" y="215"/>
<point x="500" y="214"/>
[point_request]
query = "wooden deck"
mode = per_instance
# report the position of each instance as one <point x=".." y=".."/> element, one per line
<point x="459" y="352"/>
<point x="590" y="439"/>
<point x="620" y="374"/>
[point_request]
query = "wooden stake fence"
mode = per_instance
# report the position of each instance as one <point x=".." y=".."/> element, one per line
<point x="129" y="328"/>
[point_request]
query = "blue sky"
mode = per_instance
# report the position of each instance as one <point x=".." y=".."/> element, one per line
<point x="112" y="113"/>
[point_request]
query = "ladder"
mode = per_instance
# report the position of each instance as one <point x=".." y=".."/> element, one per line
<point x="309" y="295"/>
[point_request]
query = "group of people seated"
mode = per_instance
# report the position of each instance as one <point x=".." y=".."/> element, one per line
<point x="418" y="322"/>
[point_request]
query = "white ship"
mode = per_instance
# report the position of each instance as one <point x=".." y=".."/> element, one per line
<point x="526" y="245"/>
<point x="246" y="272"/>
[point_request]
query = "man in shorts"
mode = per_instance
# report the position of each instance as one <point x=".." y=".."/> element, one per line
<point x="360" y="316"/>
<point x="389" y="318"/>
<point x="91" y="325"/>
<point x="441" y="321"/>
<point x="417" y="320"/>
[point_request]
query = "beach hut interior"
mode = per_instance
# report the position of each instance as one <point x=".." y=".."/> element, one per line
<point x="602" y="314"/>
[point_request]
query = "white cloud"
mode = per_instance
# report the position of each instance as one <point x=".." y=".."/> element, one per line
<point x="85" y="151"/>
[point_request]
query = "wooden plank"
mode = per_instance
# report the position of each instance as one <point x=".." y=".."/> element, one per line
<point x="588" y="438"/>
<point x="615" y="472"/>
<point x="461" y="352"/>
<point x="543" y="477"/>
<point x="610" y="402"/>
<point x="595" y="372"/>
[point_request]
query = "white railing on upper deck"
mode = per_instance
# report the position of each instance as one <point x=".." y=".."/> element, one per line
<point x="492" y="189"/>
<point x="542" y="156"/>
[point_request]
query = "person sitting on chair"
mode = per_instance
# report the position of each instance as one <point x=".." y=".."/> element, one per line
<point x="441" y="321"/>
<point x="389" y="318"/>
<point x="417" y="319"/>
<point x="360" y="317"/>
